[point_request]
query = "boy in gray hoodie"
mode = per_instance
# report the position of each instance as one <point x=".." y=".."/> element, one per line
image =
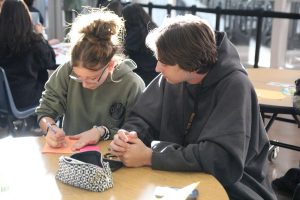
<point x="202" y="112"/>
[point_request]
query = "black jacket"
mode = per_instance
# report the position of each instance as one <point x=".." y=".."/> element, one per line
<point x="136" y="49"/>
<point x="28" y="73"/>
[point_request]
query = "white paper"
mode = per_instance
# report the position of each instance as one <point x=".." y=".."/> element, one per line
<point x="169" y="193"/>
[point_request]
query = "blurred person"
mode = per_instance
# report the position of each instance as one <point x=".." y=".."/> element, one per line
<point x="71" y="9"/>
<point x="24" y="54"/>
<point x="31" y="8"/>
<point x="95" y="90"/>
<point x="114" y="5"/>
<point x="138" y="23"/>
<point x="1" y="2"/>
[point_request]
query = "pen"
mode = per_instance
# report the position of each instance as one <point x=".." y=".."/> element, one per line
<point x="50" y="127"/>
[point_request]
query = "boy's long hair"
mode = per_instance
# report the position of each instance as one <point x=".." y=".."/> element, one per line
<point x="185" y="40"/>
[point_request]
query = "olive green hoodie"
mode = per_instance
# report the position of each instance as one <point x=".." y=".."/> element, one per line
<point x="83" y="108"/>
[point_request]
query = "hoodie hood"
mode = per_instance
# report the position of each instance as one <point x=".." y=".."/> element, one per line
<point x="123" y="68"/>
<point x="227" y="63"/>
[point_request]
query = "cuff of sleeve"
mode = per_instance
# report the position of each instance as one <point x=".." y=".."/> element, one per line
<point x="106" y="134"/>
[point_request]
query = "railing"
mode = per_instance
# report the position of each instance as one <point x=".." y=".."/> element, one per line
<point x="260" y="14"/>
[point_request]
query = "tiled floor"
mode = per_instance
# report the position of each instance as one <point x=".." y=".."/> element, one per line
<point x="286" y="159"/>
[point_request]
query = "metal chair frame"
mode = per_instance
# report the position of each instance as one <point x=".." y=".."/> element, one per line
<point x="7" y="104"/>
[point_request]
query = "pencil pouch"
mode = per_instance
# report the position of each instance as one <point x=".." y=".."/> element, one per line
<point x="85" y="170"/>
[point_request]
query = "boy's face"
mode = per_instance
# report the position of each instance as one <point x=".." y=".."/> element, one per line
<point x="172" y="73"/>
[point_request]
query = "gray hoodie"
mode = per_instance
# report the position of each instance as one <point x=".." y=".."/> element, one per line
<point x="227" y="137"/>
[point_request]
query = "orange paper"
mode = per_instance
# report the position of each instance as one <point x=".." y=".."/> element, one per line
<point x="66" y="149"/>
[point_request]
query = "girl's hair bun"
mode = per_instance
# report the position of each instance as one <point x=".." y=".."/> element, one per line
<point x="99" y="31"/>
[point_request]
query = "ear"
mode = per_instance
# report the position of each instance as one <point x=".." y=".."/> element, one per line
<point x="111" y="66"/>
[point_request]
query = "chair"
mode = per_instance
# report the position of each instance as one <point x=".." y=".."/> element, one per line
<point x="8" y="107"/>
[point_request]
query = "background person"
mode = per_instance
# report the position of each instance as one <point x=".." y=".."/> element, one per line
<point x="1" y="2"/>
<point x="201" y="113"/>
<point x="113" y="5"/>
<point x="31" y="8"/>
<point x="138" y="24"/>
<point x="24" y="54"/>
<point x="96" y="89"/>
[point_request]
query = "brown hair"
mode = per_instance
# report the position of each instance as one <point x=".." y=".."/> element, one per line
<point x="184" y="40"/>
<point x="95" y="38"/>
<point x="16" y="32"/>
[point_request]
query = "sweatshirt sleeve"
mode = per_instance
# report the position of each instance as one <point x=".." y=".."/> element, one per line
<point x="224" y="140"/>
<point x="145" y="116"/>
<point x="54" y="98"/>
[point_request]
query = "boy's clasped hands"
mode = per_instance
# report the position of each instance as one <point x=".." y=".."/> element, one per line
<point x="130" y="149"/>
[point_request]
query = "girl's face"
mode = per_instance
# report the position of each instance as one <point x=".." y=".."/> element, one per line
<point x="90" y="79"/>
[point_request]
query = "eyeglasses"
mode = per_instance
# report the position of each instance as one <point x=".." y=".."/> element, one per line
<point x="90" y="81"/>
